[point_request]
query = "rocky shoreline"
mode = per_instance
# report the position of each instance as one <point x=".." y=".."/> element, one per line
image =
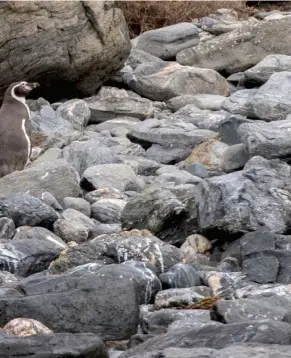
<point x="154" y="218"/>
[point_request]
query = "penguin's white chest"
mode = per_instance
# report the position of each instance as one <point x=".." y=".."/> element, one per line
<point x="27" y="138"/>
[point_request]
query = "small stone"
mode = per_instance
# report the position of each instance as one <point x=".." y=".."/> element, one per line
<point x="23" y="327"/>
<point x="79" y="204"/>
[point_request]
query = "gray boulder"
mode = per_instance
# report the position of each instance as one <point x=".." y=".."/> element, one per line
<point x="262" y="71"/>
<point x="59" y="302"/>
<point x="7" y="228"/>
<point x="58" y="178"/>
<point x="234" y="158"/>
<point x="76" y="112"/>
<point x="163" y="81"/>
<point x="137" y="56"/>
<point x="180" y="276"/>
<point x="75" y="41"/>
<point x="269" y="140"/>
<point x="108" y="211"/>
<point x="61" y="137"/>
<point x="202" y="101"/>
<point x="240" y="49"/>
<point x="111" y="103"/>
<point x="78" y="204"/>
<point x="166" y="42"/>
<point x="54" y="345"/>
<point x="46" y="121"/>
<point x="112" y="125"/>
<point x="116" y="176"/>
<point x="246" y="200"/>
<point x="25" y="209"/>
<point x="272" y="101"/>
<point x="83" y="155"/>
<point x="240" y="102"/>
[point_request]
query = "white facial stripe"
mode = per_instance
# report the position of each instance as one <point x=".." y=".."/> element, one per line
<point x="20" y="99"/>
<point x="27" y="138"/>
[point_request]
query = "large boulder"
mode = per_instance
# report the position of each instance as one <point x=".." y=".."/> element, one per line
<point x="240" y="49"/>
<point x="162" y="81"/>
<point x="57" y="178"/>
<point x="76" y="44"/>
<point x="166" y="42"/>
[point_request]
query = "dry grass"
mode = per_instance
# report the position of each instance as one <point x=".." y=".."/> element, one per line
<point x="148" y="15"/>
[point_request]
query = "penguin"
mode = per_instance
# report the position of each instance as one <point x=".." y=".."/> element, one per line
<point x="15" y="144"/>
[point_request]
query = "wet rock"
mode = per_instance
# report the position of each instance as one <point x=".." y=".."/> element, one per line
<point x="108" y="211"/>
<point x="83" y="155"/>
<point x="118" y="248"/>
<point x="117" y="176"/>
<point x="111" y="103"/>
<point x="43" y="299"/>
<point x="177" y="297"/>
<point x="25" y="209"/>
<point x="79" y="204"/>
<point x="7" y="228"/>
<point x="269" y="140"/>
<point x="167" y="41"/>
<point x="76" y="112"/>
<point x="57" y="178"/>
<point x="223" y="202"/>
<point x="234" y="158"/>
<point x="54" y="345"/>
<point x="148" y="80"/>
<point x="262" y="71"/>
<point x="272" y="100"/>
<point x="22" y="327"/>
<point x="180" y="276"/>
<point x="240" y="49"/>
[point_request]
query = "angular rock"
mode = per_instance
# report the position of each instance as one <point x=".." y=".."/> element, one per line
<point x="46" y="121"/>
<point x="63" y="65"/>
<point x="234" y="158"/>
<point x="137" y="56"/>
<point x="180" y="276"/>
<point x="61" y="137"/>
<point x="118" y="248"/>
<point x="58" y="178"/>
<point x="272" y="101"/>
<point x="197" y="169"/>
<point x="262" y="71"/>
<point x="83" y="155"/>
<point x="112" y="125"/>
<point x="261" y="268"/>
<point x="167" y="155"/>
<point x="240" y="102"/>
<point x="25" y="209"/>
<point x="115" y="176"/>
<point x="157" y="322"/>
<point x="102" y="229"/>
<point x="202" y="101"/>
<point x="224" y="202"/>
<point x="228" y="129"/>
<point x="269" y="140"/>
<point x="25" y="257"/>
<point x="7" y="228"/>
<point x="51" y="155"/>
<point x="79" y="204"/>
<point x="74" y="226"/>
<point x="142" y="166"/>
<point x="167" y="41"/>
<point x="240" y="49"/>
<point x="54" y="345"/>
<point x="177" y="297"/>
<point x="43" y="299"/>
<point x="108" y="211"/>
<point x="111" y="103"/>
<point x="76" y="112"/>
<point x="164" y="132"/>
<point x="163" y="81"/>
<point x="250" y="309"/>
<point x="177" y="176"/>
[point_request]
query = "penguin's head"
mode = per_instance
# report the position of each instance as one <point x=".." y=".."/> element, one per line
<point x="22" y="89"/>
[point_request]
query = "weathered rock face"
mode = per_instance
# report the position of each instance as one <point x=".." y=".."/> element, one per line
<point x="81" y="44"/>
<point x="162" y="80"/>
<point x="166" y="42"/>
<point x="240" y="49"/>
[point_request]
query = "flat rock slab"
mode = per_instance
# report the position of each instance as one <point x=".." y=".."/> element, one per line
<point x="166" y="42"/>
<point x="55" y="345"/>
<point x="106" y="306"/>
<point x="58" y="178"/>
<point x="163" y="81"/>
